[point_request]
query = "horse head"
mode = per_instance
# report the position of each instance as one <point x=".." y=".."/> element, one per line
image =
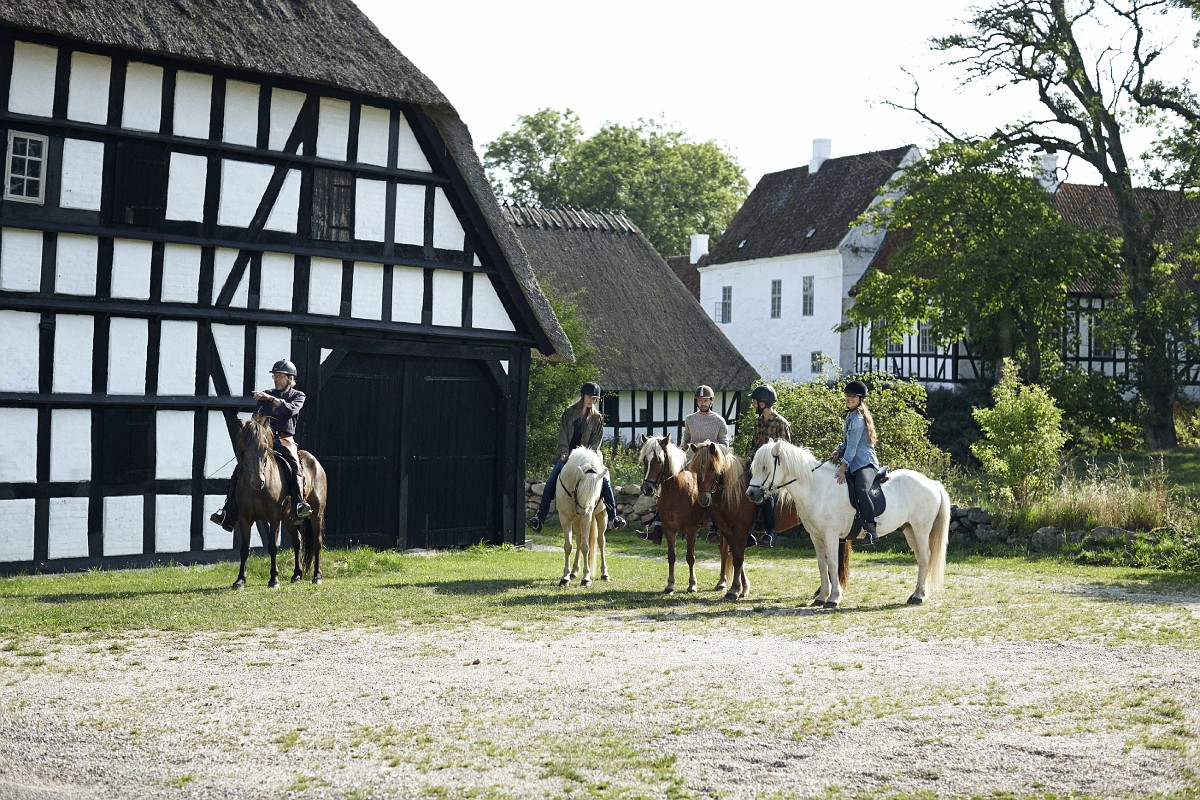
<point x="254" y="446"/>
<point x="655" y="456"/>
<point x="764" y="471"/>
<point x="704" y="465"/>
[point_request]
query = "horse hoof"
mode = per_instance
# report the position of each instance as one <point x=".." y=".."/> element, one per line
<point x="586" y="582"/>
<point x="605" y="578"/>
<point x="829" y="604"/>
<point x="274" y="584"/>
<point x="720" y="587"/>
<point x="817" y="603"/>
<point x="239" y="585"/>
<point x="915" y="601"/>
<point x="563" y="582"/>
<point x="731" y="596"/>
<point x="296" y="578"/>
<point x="317" y="580"/>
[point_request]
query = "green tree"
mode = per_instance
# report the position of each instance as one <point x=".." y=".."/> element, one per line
<point x="984" y="256"/>
<point x="668" y="185"/>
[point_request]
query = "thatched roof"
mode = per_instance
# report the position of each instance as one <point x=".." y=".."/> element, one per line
<point x="648" y="330"/>
<point x="328" y="42"/>
<point x="686" y="271"/>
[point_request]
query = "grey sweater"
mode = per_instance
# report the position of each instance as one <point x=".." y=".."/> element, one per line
<point x="710" y="427"/>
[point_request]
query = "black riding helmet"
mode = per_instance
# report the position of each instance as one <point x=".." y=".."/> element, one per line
<point x="764" y="394"/>
<point x="284" y="366"/>
<point x="590" y="388"/>
<point x="856" y="387"/>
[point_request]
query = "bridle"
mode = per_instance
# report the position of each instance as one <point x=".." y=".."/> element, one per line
<point x="571" y="494"/>
<point x="662" y="470"/>
<point x="770" y="486"/>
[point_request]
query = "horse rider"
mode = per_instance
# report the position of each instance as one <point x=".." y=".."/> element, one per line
<point x="582" y="425"/>
<point x="859" y="463"/>
<point x="281" y="407"/>
<point x="701" y="426"/>
<point x="769" y="424"/>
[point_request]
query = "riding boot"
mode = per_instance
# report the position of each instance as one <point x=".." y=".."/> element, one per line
<point x="653" y="532"/>
<point x="714" y="535"/>
<point x="302" y="510"/>
<point x="869" y="536"/>
<point x="767" y="510"/>
<point x="610" y="502"/>
<point x="227" y="516"/>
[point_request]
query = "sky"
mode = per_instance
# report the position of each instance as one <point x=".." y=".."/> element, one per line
<point x="761" y="78"/>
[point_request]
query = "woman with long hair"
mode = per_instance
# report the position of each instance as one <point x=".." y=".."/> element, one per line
<point x="859" y="463"/>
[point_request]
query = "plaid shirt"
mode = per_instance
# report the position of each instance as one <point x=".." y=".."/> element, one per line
<point x="774" y="428"/>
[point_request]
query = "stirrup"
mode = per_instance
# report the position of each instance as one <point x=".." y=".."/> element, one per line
<point x="221" y="518"/>
<point x="867" y="539"/>
<point x="302" y="510"/>
<point x="767" y="539"/>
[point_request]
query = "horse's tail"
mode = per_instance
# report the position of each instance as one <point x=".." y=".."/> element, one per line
<point x="308" y="543"/>
<point x="939" y="538"/>
<point x="844" y="562"/>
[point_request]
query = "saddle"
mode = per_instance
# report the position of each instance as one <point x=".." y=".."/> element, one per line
<point x="878" y="500"/>
<point x="285" y="472"/>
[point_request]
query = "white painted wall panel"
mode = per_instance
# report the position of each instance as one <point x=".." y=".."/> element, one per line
<point x="123" y="525"/>
<point x="325" y="286"/>
<point x="373" y="124"/>
<point x="16" y="530"/>
<point x="131" y="268"/>
<point x="19" y="339"/>
<point x="181" y="273"/>
<point x="272" y="344"/>
<point x="333" y="129"/>
<point x="82" y="174"/>
<point x="285" y="108"/>
<point x="241" y="113"/>
<point x="73" y="336"/>
<point x="127" y="340"/>
<point x="286" y="210"/>
<point x="447" y="297"/>
<point x="275" y="281"/>
<point x="370" y="210"/>
<point x="173" y="445"/>
<point x="20" y="260"/>
<point x="223" y="262"/>
<point x="31" y="87"/>
<point x="242" y="187"/>
<point x="231" y="347"/>
<point x="215" y="537"/>
<point x="408" y="293"/>
<point x="410" y="214"/>
<point x="366" y="300"/>
<point x="68" y="528"/>
<point x="87" y="92"/>
<point x="486" y="309"/>
<point x="173" y="523"/>
<point x="142" y="105"/>
<point x="218" y="449"/>
<point x="70" y="444"/>
<point x="408" y="152"/>
<point x="185" y="187"/>
<point x="18" y="456"/>
<point x="177" y="357"/>
<point x="75" y="264"/>
<point x="447" y="230"/>
<point x="193" y="101"/>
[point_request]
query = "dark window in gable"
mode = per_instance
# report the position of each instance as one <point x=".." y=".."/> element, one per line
<point x="332" y="205"/>
<point x="140" y="184"/>
<point x="125" y="446"/>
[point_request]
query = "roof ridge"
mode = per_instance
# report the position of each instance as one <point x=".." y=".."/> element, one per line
<point x="569" y="218"/>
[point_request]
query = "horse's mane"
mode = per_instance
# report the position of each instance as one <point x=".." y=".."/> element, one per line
<point x="796" y="460"/>
<point x="583" y="458"/>
<point x="590" y="466"/>
<point x="252" y="430"/>
<point x="675" y="458"/>
<point x="728" y="468"/>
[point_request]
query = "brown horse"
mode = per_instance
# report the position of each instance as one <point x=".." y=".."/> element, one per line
<point x="262" y="496"/>
<point x="717" y="468"/>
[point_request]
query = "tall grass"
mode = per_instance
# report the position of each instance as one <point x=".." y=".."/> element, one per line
<point x="1113" y="495"/>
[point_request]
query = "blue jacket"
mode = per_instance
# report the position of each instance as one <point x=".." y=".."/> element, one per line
<point x="856" y="449"/>
<point x="283" y="416"/>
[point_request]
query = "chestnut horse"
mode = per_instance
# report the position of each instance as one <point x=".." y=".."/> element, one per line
<point x="582" y="513"/>
<point x="721" y="481"/>
<point x="263" y="496"/>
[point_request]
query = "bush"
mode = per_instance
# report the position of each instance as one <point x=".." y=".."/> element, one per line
<point x="1096" y="417"/>
<point x="1021" y="448"/>
<point x="952" y="427"/>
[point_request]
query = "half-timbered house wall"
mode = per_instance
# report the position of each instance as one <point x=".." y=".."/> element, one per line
<point x="629" y="414"/>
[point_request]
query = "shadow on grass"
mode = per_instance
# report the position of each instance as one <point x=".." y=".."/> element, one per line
<point x="1150" y="589"/>
<point x="91" y="597"/>
<point x="468" y="587"/>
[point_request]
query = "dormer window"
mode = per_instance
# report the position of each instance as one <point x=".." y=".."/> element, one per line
<point x="25" y="168"/>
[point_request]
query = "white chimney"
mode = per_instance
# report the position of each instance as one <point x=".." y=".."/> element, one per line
<point x="699" y="246"/>
<point x="820" y="154"/>
<point x="1049" y="175"/>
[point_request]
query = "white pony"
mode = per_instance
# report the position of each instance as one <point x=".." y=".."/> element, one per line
<point x="582" y="514"/>
<point x="915" y="503"/>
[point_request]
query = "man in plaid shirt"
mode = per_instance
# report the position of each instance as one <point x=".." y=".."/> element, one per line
<point x="768" y="425"/>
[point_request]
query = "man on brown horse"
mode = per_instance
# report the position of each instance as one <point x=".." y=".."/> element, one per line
<point x="281" y="407"/>
<point x="769" y="424"/>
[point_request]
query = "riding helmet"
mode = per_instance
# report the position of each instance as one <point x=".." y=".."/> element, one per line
<point x="284" y="366"/>
<point x="590" y="388"/>
<point x="704" y="390"/>
<point x="856" y="387"/>
<point x="764" y="394"/>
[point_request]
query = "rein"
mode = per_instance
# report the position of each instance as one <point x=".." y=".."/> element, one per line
<point x="571" y="494"/>
<point x="770" y="486"/>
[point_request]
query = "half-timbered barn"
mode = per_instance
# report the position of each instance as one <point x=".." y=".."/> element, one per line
<point x="653" y="343"/>
<point x="197" y="188"/>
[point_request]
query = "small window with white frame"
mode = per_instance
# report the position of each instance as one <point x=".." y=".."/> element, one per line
<point x="924" y="338"/>
<point x="785" y="362"/>
<point x="25" y="167"/>
<point x="776" y="298"/>
<point x="808" y="296"/>
<point x="817" y="362"/>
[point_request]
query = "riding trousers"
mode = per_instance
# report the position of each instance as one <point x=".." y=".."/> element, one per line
<point x="606" y="493"/>
<point x="286" y="447"/>
<point x="858" y="484"/>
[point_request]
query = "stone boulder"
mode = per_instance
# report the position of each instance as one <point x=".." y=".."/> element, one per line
<point x="1046" y="539"/>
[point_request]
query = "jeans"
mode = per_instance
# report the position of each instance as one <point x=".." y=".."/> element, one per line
<point x="606" y="493"/>
<point x="859" y="485"/>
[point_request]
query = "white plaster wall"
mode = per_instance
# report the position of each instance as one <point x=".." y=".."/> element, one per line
<point x="366" y="298"/>
<point x="123" y="525"/>
<point x="285" y="108"/>
<point x="271" y="345"/>
<point x="73" y="336"/>
<point x="177" y="357"/>
<point x="223" y="262"/>
<point x="486" y="309"/>
<point x="20" y="260"/>
<point x="70" y="445"/>
<point x="373" y="134"/>
<point x="20" y="334"/>
<point x="410" y="214"/>
<point x="131" y="268"/>
<point x="68" y="528"/>
<point x="333" y="129"/>
<point x="408" y="293"/>
<point x="286" y="209"/>
<point x="127" y="340"/>
<point x="370" y="210"/>
<point x="82" y="174"/>
<point x="447" y="230"/>
<point x="31" y="85"/>
<point x="325" y="286"/>
<point x="231" y="348"/>
<point x="16" y="530"/>
<point x="18" y="456"/>
<point x="75" y="264"/>
<point x="142" y="104"/>
<point x="447" y="297"/>
<point x="241" y="113"/>
<point x="181" y="273"/>
<point x="173" y="523"/>
<point x="275" y="281"/>
<point x="218" y="449"/>
<point x="174" y="437"/>
<point x="193" y="103"/>
<point x="185" y="187"/>
<point x="242" y="187"/>
<point x="87" y="88"/>
<point x="408" y="152"/>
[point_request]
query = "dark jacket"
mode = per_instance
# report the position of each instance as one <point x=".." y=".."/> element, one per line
<point x="591" y="436"/>
<point x="283" y="416"/>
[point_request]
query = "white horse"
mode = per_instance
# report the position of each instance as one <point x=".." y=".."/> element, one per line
<point x="915" y="503"/>
<point x="582" y="514"/>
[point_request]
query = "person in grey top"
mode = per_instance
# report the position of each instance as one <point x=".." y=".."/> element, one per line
<point x="859" y="464"/>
